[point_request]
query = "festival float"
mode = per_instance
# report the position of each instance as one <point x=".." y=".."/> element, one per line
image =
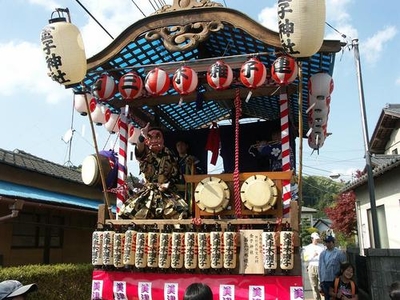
<point x="187" y="68"/>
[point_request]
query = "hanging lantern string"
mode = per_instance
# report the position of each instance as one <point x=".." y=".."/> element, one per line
<point x="177" y="64"/>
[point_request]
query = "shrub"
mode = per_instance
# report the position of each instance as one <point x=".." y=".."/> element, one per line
<point x="61" y="281"/>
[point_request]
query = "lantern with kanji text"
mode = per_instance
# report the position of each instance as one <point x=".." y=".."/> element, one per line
<point x="284" y="70"/>
<point x="130" y="86"/>
<point x="185" y="80"/>
<point x="253" y="73"/>
<point x="64" y="52"/>
<point x="301" y="25"/>
<point x="219" y="75"/>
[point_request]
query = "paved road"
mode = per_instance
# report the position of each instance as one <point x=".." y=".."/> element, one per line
<point x="306" y="286"/>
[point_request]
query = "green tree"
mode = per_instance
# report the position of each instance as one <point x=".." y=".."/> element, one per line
<point x="320" y="192"/>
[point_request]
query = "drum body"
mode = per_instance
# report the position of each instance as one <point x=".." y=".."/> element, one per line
<point x="91" y="171"/>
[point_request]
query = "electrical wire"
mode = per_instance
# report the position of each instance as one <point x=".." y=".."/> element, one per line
<point x="138" y="8"/>
<point x="152" y="5"/>
<point x="88" y="12"/>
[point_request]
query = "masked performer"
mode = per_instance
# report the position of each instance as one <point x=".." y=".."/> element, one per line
<point x="158" y="198"/>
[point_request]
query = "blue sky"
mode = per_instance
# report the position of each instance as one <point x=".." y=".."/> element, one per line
<point x="37" y="112"/>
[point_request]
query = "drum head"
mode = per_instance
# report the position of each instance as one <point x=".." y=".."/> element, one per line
<point x="90" y="170"/>
<point x="212" y="195"/>
<point x="258" y="193"/>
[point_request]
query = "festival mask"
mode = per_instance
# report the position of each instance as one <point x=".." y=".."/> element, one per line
<point x="155" y="140"/>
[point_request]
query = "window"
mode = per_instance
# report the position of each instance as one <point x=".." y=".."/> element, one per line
<point x="394" y="151"/>
<point x="37" y="230"/>
<point x="383" y="235"/>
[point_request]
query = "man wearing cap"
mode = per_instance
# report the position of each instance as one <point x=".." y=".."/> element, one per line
<point x="13" y="289"/>
<point x="311" y="256"/>
<point x="329" y="265"/>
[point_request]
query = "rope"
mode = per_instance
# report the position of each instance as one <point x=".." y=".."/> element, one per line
<point x="236" y="182"/>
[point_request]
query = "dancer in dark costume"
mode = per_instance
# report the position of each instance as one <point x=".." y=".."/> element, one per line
<point x="158" y="198"/>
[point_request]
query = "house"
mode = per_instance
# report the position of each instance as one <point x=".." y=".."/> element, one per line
<point x="323" y="225"/>
<point x="370" y="260"/>
<point x="307" y="215"/>
<point x="47" y="214"/>
<point x="385" y="162"/>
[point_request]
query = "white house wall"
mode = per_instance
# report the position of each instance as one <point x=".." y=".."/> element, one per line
<point x="394" y="142"/>
<point x="387" y="193"/>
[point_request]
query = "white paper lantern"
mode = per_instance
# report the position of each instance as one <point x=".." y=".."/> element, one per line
<point x="97" y="111"/>
<point x="112" y="119"/>
<point x="80" y="99"/>
<point x="320" y="85"/>
<point x="64" y="52"/>
<point x="133" y="134"/>
<point x="301" y="26"/>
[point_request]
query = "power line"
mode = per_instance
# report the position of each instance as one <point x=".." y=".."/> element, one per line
<point x="138" y="8"/>
<point x="88" y="12"/>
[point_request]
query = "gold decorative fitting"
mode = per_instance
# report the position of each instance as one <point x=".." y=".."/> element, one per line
<point x="183" y="38"/>
<point x="187" y="4"/>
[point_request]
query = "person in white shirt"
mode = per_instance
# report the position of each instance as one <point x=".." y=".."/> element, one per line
<point x="311" y="256"/>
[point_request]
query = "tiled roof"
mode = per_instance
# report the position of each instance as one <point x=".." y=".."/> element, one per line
<point x="388" y="121"/>
<point x="26" y="161"/>
<point x="381" y="164"/>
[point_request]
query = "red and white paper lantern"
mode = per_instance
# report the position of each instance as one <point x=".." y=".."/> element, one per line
<point x="104" y="88"/>
<point x="64" y="52"/>
<point x="130" y="86"/>
<point x="80" y="99"/>
<point x="301" y="25"/>
<point x="112" y="120"/>
<point x="157" y="82"/>
<point x="133" y="134"/>
<point x="320" y="85"/>
<point x="316" y="139"/>
<point x="97" y="112"/>
<point x="219" y="75"/>
<point x="253" y="73"/>
<point x="284" y="70"/>
<point x="185" y="80"/>
<point x="318" y="113"/>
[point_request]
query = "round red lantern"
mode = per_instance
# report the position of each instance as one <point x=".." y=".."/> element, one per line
<point x="112" y="119"/>
<point x="320" y="85"/>
<point x="185" y="80"/>
<point x="284" y="70"/>
<point x="97" y="112"/>
<point x="130" y="86"/>
<point x="253" y="73"/>
<point x="219" y="75"/>
<point x="157" y="82"/>
<point x="104" y="88"/>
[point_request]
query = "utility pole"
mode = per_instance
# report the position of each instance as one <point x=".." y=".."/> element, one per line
<point x="371" y="185"/>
